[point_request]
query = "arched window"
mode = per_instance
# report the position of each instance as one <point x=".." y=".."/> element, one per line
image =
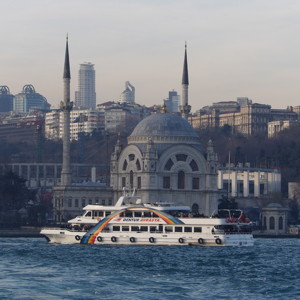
<point x="125" y="164"/>
<point x="181" y="179"/>
<point x="280" y="223"/>
<point x="169" y="165"/>
<point x="265" y="223"/>
<point x="138" y="165"/>
<point x="181" y="157"/>
<point x="131" y="179"/>
<point x="131" y="157"/>
<point x="272" y="223"/>
<point x="194" y="166"/>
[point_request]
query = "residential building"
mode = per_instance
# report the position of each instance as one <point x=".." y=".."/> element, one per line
<point x="81" y="121"/>
<point x="85" y="97"/>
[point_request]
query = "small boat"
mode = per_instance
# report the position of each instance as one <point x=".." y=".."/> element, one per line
<point x="131" y="222"/>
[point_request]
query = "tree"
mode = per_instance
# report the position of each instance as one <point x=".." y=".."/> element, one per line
<point x="227" y="203"/>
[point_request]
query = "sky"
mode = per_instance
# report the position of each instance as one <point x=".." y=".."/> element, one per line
<point x="236" y="48"/>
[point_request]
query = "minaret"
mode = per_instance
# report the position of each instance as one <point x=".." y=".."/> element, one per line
<point x="66" y="107"/>
<point x="185" y="108"/>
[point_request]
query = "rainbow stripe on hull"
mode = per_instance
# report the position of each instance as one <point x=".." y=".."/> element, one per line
<point x="91" y="235"/>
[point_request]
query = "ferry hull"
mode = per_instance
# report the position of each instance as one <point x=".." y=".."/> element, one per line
<point x="58" y="236"/>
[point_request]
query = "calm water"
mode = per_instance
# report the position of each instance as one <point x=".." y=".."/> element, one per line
<point x="33" y="269"/>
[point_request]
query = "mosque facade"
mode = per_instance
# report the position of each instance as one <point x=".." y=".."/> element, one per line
<point x="163" y="161"/>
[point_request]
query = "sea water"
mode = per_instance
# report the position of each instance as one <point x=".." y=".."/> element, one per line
<point x="34" y="269"/>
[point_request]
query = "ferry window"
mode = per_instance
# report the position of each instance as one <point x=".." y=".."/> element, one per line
<point x="123" y="181"/>
<point x="168" y="229"/>
<point x="187" y="229"/>
<point x="178" y="229"/>
<point x="107" y="213"/>
<point x="116" y="228"/>
<point x="147" y="214"/>
<point x="197" y="229"/>
<point x="70" y="202"/>
<point x="76" y="202"/>
<point x="152" y="228"/>
<point x="100" y="213"/>
<point x="128" y="214"/>
<point x="139" y="182"/>
<point x="125" y="228"/>
<point x="121" y="215"/>
<point x="166" y="182"/>
<point x="169" y="165"/>
<point x="137" y="214"/>
<point x="195" y="183"/>
<point x="144" y="228"/>
<point x="88" y="214"/>
<point x="135" y="228"/>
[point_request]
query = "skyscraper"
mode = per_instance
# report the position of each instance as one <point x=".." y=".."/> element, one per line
<point x="85" y="97"/>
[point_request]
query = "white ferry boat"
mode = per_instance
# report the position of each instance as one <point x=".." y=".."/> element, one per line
<point x="131" y="222"/>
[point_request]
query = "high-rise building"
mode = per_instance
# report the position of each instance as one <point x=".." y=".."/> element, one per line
<point x="6" y="99"/>
<point x="29" y="100"/>
<point x="128" y="95"/>
<point x="85" y="97"/>
<point x="172" y="103"/>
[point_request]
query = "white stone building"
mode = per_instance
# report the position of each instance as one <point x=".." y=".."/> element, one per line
<point x="249" y="182"/>
<point x="164" y="161"/>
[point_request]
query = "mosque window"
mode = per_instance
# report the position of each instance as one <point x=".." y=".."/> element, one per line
<point x="139" y="182"/>
<point x="194" y="166"/>
<point x="166" y="182"/>
<point x="70" y="202"/>
<point x="180" y="180"/>
<point x="195" y="183"/>
<point x="169" y="165"/>
<point x="181" y="157"/>
<point x="131" y="179"/>
<point x="272" y="223"/>
<point x="76" y="202"/>
<point x="280" y="223"/>
<point x="138" y="165"/>
<point x="123" y="182"/>
<point x="125" y="164"/>
<point x="131" y="157"/>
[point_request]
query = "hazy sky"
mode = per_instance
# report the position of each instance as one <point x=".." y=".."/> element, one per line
<point x="236" y="48"/>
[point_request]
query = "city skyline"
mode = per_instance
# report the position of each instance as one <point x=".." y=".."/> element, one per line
<point x="235" y="49"/>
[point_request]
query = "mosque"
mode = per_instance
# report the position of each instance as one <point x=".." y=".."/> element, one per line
<point x="163" y="161"/>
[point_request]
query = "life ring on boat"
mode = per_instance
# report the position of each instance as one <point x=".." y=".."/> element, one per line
<point x="132" y="239"/>
<point x="218" y="241"/>
<point x="77" y="237"/>
<point x="151" y="240"/>
<point x="99" y="238"/>
<point x="201" y="241"/>
<point x="180" y="240"/>
<point x="113" y="239"/>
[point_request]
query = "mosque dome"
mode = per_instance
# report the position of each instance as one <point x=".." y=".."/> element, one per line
<point x="164" y="127"/>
